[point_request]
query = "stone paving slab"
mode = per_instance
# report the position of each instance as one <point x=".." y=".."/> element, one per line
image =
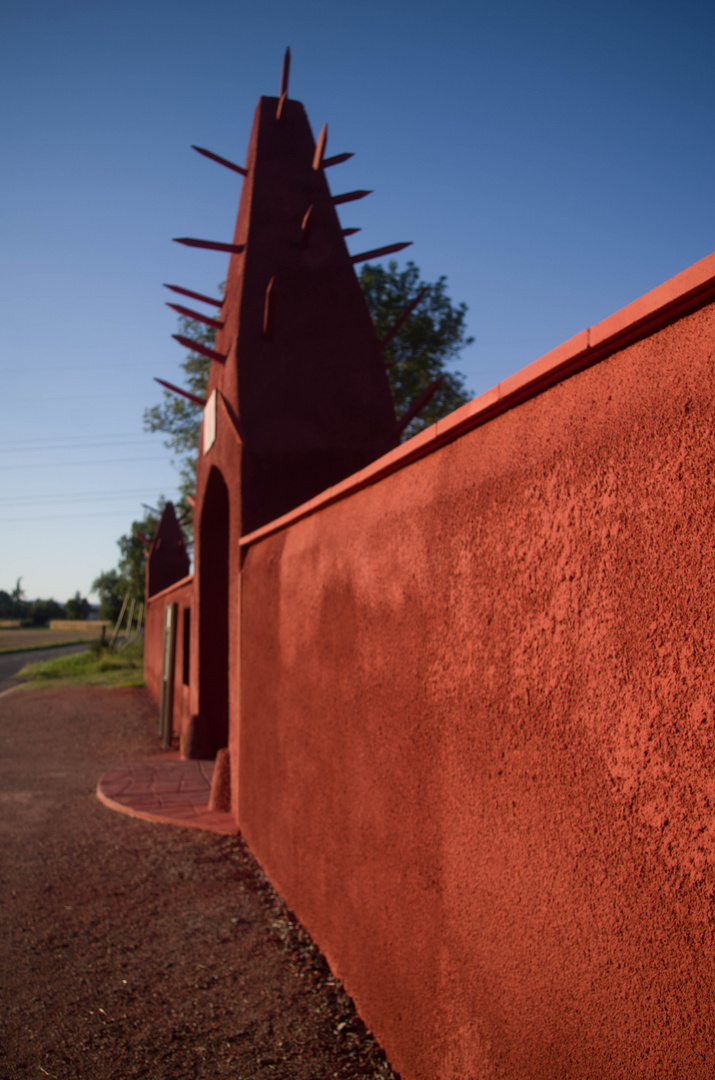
<point x="165" y="789"/>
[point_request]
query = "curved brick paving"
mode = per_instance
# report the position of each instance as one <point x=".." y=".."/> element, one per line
<point x="166" y="789"/>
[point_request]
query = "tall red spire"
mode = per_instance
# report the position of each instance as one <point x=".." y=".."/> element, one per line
<point x="303" y="372"/>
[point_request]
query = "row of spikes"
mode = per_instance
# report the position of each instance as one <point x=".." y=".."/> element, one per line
<point x="319" y="162"/>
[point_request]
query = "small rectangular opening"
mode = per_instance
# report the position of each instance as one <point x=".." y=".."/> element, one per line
<point x="186" y="651"/>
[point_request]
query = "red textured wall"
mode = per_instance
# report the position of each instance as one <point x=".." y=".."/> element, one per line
<point x="180" y="594"/>
<point x="476" y="731"/>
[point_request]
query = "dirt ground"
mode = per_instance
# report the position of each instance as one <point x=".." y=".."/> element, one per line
<point x="132" y="949"/>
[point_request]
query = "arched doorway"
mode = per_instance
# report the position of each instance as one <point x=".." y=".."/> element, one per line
<point x="212" y="733"/>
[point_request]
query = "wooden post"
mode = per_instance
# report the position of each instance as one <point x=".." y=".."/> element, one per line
<point x="129" y="620"/>
<point x="119" y="621"/>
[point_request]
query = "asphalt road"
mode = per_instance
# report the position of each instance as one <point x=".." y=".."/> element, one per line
<point x="10" y="663"/>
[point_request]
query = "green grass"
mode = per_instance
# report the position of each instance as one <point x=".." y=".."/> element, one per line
<point x="98" y="666"/>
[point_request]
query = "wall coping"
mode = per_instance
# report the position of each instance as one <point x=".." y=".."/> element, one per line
<point x="679" y="296"/>
<point x="170" y="589"/>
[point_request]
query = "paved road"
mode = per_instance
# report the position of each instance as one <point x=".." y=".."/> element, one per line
<point x="10" y="663"/>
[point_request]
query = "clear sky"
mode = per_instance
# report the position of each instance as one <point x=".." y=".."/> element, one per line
<point x="553" y="160"/>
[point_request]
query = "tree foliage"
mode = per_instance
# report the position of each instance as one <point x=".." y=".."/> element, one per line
<point x="179" y="418"/>
<point x="77" y="607"/>
<point x="128" y="577"/>
<point x="430" y="339"/>
<point x="13" y="605"/>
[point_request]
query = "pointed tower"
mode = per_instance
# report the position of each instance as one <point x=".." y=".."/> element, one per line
<point x="298" y="397"/>
<point x="167" y="561"/>
<point x="303" y="374"/>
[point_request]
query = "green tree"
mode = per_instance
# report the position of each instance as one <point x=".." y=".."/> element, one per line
<point x="77" y="607"/>
<point x="132" y="562"/>
<point x="41" y="611"/>
<point x="430" y="339"/>
<point x="108" y="587"/>
<point x="179" y="418"/>
<point x="129" y="576"/>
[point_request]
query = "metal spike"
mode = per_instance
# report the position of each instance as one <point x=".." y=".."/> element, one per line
<point x="419" y="403"/>
<point x="348" y="232"/>
<point x="197" y="316"/>
<point x="183" y="393"/>
<point x="210" y="245"/>
<point x="320" y="147"/>
<point x="142" y="537"/>
<point x="349" y="196"/>
<point x="285" y="73"/>
<point x="269" y="311"/>
<point x="338" y="159"/>
<point x="191" y="501"/>
<point x="194" y="295"/>
<point x="404" y="317"/>
<point x="281" y="103"/>
<point x="202" y="350"/>
<point x="220" y="160"/>
<point x="306" y="227"/>
<point x="377" y="253"/>
<point x="152" y="509"/>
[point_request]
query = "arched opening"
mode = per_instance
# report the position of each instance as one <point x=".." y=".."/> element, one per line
<point x="212" y="733"/>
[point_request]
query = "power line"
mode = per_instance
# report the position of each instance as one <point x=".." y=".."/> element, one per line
<point x="81" y="496"/>
<point x="68" y="517"/>
<point x="72" y="464"/>
<point x="72" y="444"/>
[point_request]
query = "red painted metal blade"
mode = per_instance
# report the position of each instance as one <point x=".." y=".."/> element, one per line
<point x="203" y="350"/>
<point x="338" y="159"/>
<point x="349" y="196"/>
<point x="183" y="393"/>
<point x="194" y="295"/>
<point x="404" y="316"/>
<point x="142" y="537"/>
<point x="377" y="253"/>
<point x="306" y="227"/>
<point x="210" y="245"/>
<point x="285" y="73"/>
<point x="220" y="160"/>
<point x="348" y="232"/>
<point x="419" y="403"/>
<point x="196" y="315"/>
<point x="269" y="311"/>
<point x="191" y="501"/>
<point x="279" y="108"/>
<point x="320" y="147"/>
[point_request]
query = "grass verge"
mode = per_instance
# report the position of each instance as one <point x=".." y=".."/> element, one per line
<point x="98" y="666"/>
<point x="36" y="646"/>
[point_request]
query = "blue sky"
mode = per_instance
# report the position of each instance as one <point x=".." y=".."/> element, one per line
<point x="554" y="161"/>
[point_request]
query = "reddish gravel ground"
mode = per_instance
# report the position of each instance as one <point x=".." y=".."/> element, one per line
<point x="131" y="949"/>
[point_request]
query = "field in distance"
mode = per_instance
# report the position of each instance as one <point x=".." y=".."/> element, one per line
<point x="17" y="640"/>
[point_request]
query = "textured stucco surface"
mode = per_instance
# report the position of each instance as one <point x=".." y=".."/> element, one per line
<point x="180" y="594"/>
<point x="476" y="731"/>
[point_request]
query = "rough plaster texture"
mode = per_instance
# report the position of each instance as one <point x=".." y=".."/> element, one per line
<point x="180" y="594"/>
<point x="477" y="735"/>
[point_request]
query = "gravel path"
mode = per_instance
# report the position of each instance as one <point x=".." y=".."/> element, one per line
<point x="131" y="949"/>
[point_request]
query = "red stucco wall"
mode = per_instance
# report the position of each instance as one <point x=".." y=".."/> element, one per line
<point x="476" y="731"/>
<point x="180" y="594"/>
